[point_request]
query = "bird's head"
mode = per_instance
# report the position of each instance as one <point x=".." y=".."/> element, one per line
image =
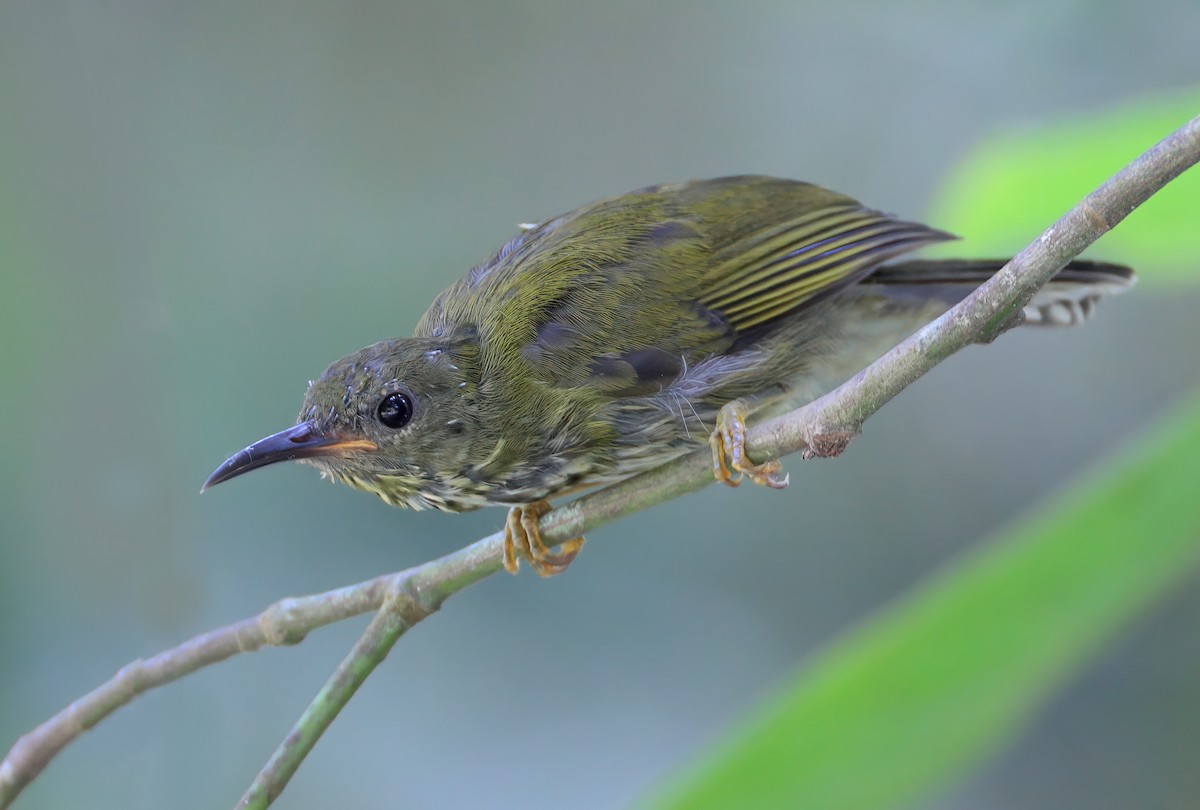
<point x="394" y="418"/>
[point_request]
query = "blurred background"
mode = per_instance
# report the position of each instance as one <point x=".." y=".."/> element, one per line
<point x="201" y="205"/>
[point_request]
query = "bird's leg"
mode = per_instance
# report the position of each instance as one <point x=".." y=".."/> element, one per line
<point x="522" y="537"/>
<point x="728" y="445"/>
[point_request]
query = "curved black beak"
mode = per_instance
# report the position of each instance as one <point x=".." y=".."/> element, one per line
<point x="298" y="442"/>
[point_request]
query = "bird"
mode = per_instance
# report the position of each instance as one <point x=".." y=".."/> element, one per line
<point x="616" y="337"/>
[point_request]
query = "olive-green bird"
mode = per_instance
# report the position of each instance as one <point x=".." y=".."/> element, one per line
<point x="614" y="338"/>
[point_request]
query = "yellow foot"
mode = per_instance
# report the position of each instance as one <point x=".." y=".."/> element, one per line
<point x="522" y="537"/>
<point x="728" y="444"/>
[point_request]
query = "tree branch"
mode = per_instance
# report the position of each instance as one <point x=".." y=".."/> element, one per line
<point x="820" y="429"/>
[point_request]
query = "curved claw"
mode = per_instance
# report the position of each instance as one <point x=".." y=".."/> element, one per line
<point x="523" y="537"/>
<point x="728" y="445"/>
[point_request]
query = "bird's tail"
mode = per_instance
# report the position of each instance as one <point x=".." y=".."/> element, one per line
<point x="1067" y="299"/>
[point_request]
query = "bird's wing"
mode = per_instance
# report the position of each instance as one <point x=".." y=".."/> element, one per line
<point x="623" y="294"/>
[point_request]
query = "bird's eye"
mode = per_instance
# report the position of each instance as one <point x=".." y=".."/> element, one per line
<point x="395" y="410"/>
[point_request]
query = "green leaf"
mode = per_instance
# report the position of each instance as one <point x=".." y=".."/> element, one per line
<point x="925" y="691"/>
<point x="1005" y="191"/>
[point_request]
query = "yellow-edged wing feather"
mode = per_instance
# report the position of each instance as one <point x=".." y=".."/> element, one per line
<point x="770" y="273"/>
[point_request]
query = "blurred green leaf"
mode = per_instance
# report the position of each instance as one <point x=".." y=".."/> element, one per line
<point x="907" y="704"/>
<point x="1006" y="190"/>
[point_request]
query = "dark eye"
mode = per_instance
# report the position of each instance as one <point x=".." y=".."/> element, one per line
<point x="395" y="410"/>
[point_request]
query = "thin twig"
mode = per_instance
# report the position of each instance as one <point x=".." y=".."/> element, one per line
<point x="821" y="428"/>
<point x="399" y="611"/>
